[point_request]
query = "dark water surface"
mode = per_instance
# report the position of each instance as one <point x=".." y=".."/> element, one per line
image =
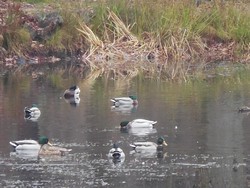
<point x="208" y="140"/>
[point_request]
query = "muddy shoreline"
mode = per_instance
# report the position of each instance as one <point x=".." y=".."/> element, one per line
<point x="38" y="59"/>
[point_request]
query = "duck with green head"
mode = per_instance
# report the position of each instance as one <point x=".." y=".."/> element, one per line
<point x="130" y="100"/>
<point x="149" y="146"/>
<point x="42" y="146"/>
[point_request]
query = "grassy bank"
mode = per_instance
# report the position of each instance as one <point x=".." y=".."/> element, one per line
<point x="114" y="36"/>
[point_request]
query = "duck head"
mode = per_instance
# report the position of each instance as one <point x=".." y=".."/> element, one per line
<point x="124" y="124"/>
<point x="161" y="141"/>
<point x="43" y="140"/>
<point x="133" y="97"/>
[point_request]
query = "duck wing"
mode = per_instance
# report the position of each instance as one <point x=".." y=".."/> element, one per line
<point x="53" y="150"/>
<point x="144" y="121"/>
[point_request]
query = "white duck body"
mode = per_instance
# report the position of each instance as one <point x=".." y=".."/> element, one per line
<point x="25" y="145"/>
<point x="131" y="100"/>
<point x="138" y="123"/>
<point x="142" y="131"/>
<point x="144" y="146"/>
<point x="32" y="111"/>
<point x="148" y="148"/>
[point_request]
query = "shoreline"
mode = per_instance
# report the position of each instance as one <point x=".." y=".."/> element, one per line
<point x="118" y="56"/>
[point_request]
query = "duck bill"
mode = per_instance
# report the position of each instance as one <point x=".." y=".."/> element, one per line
<point x="50" y="144"/>
<point x="164" y="143"/>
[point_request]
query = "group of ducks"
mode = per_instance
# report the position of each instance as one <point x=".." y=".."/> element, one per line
<point x="116" y="153"/>
<point x="44" y="147"/>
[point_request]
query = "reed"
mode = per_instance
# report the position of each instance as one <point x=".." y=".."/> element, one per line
<point x="170" y="36"/>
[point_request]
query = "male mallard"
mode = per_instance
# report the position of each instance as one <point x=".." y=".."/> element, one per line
<point x="124" y="100"/>
<point x="32" y="111"/>
<point x="42" y="146"/>
<point x="116" y="152"/>
<point x="138" y="123"/>
<point x="71" y="92"/>
<point x="149" y="146"/>
<point x="244" y="109"/>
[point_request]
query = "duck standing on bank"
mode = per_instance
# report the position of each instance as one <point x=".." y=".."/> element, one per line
<point x="130" y="100"/>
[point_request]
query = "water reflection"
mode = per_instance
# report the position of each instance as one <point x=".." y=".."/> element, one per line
<point x="124" y="109"/>
<point x="73" y="101"/>
<point x="210" y="148"/>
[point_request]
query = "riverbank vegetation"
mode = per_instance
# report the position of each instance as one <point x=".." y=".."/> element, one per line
<point x="168" y="39"/>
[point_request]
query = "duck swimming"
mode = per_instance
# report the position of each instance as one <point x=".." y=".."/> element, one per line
<point x="149" y="146"/>
<point x="71" y="92"/>
<point x="130" y="100"/>
<point x="138" y="123"/>
<point x="116" y="152"/>
<point x="244" y="109"/>
<point x="42" y="146"/>
<point x="32" y="111"/>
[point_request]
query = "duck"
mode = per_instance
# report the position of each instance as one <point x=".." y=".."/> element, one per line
<point x="143" y="147"/>
<point x="32" y="111"/>
<point x="42" y="146"/>
<point x="130" y="100"/>
<point x="244" y="109"/>
<point x="138" y="123"/>
<point x="71" y="92"/>
<point x="116" y="152"/>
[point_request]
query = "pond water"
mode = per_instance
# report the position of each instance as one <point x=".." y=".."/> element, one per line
<point x="208" y="140"/>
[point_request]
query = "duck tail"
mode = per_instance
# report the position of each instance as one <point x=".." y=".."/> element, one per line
<point x="154" y="122"/>
<point x="113" y="100"/>
<point x="13" y="144"/>
<point x="27" y="111"/>
<point x="133" y="146"/>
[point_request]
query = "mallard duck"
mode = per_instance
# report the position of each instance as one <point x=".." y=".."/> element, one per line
<point x="71" y="92"/>
<point x="244" y="109"/>
<point x="138" y="123"/>
<point x="124" y="100"/>
<point x="149" y="146"/>
<point x="42" y="146"/>
<point x="32" y="111"/>
<point x="116" y="152"/>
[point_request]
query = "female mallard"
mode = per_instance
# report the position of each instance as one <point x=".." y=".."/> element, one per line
<point x="132" y="100"/>
<point x="138" y="123"/>
<point x="116" y="152"/>
<point x="32" y="111"/>
<point x="72" y="92"/>
<point x="149" y="146"/>
<point x="42" y="146"/>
